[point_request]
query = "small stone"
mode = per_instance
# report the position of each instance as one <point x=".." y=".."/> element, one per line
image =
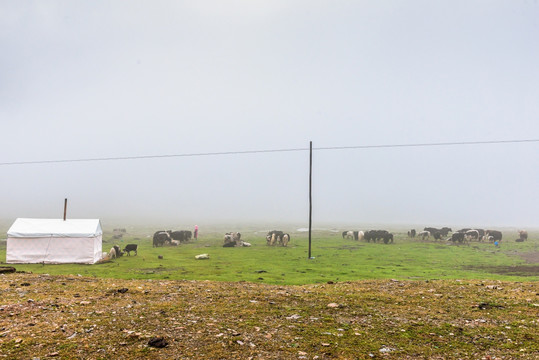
<point x="293" y="317"/>
<point x="158" y="342"/>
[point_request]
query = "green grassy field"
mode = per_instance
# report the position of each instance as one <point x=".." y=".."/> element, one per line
<point x="334" y="259"/>
<point x="358" y="300"/>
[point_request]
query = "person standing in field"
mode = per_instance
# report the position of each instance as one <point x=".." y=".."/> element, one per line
<point x="196" y="232"/>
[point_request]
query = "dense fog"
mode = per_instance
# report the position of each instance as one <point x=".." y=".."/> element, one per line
<point x="211" y="80"/>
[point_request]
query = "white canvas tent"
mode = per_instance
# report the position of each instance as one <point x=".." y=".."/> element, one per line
<point x="54" y="241"/>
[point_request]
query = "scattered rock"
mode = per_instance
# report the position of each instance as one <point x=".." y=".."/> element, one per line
<point x="122" y="290"/>
<point x="133" y="335"/>
<point x="484" y="306"/>
<point x="157" y="342"/>
<point x="202" y="257"/>
<point x="160" y="257"/>
<point x="333" y="305"/>
<point x="386" y="349"/>
<point x="7" y="269"/>
<point x="293" y="317"/>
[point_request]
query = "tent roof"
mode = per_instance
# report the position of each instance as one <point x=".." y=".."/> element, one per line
<point x="55" y="227"/>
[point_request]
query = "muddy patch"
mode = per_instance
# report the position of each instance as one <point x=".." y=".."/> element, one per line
<point x="350" y="247"/>
<point x="161" y="270"/>
<point x="530" y="258"/>
<point x="519" y="270"/>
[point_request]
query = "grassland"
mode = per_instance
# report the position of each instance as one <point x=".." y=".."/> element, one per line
<point x="72" y="317"/>
<point x="334" y="259"/>
<point x="407" y="300"/>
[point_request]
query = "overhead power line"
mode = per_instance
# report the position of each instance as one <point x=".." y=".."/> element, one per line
<point x="380" y="146"/>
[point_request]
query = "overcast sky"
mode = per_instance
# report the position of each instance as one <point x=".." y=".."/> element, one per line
<point x="105" y="79"/>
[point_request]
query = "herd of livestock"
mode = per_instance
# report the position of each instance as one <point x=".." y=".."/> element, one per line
<point x="116" y="252"/>
<point x="459" y="236"/>
<point x="169" y="237"/>
<point x="231" y="239"/>
<point x="274" y="237"/>
<point x="277" y="237"/>
<point x="374" y="235"/>
<point x="466" y="234"/>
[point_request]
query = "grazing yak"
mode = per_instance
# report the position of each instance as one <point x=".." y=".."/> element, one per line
<point x="275" y="237"/>
<point x="285" y="239"/>
<point x="352" y="234"/>
<point x="444" y="231"/>
<point x="232" y="239"/>
<point x="388" y="238"/>
<point x="115" y="252"/>
<point x="182" y="236"/>
<point x="161" y="237"/>
<point x="523" y="235"/>
<point x="412" y="233"/>
<point x="424" y="235"/>
<point x="493" y="235"/>
<point x="472" y="235"/>
<point x="438" y="233"/>
<point x="457" y="237"/>
<point x="130" y="247"/>
<point x="370" y="235"/>
<point x="118" y="251"/>
<point x="376" y="235"/>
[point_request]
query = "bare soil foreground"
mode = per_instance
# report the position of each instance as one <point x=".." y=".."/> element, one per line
<point x="63" y="317"/>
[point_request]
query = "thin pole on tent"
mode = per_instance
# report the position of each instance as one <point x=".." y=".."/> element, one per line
<point x="65" y="208"/>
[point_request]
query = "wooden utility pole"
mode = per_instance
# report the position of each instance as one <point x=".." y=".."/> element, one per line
<point x="65" y="209"/>
<point x="310" y="194"/>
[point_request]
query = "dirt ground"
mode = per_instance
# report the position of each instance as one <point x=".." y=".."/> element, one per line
<point x="72" y="317"/>
<point x="531" y="258"/>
